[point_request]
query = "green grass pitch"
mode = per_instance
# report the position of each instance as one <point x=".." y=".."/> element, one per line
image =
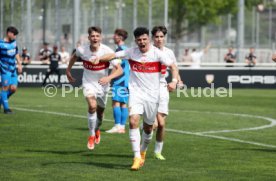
<point x="46" y="140"/>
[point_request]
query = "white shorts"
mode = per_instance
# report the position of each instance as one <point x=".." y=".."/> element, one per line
<point x="145" y="108"/>
<point x="100" y="93"/>
<point x="164" y="99"/>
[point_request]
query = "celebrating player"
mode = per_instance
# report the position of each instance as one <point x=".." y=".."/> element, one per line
<point x="144" y="88"/>
<point x="120" y="87"/>
<point x="95" y="81"/>
<point x="158" y="35"/>
<point x="8" y="54"/>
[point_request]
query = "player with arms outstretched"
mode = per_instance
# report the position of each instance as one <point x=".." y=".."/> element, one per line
<point x="144" y="88"/>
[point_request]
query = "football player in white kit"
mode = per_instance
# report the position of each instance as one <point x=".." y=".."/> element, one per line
<point x="158" y="35"/>
<point x="95" y="81"/>
<point x="144" y="88"/>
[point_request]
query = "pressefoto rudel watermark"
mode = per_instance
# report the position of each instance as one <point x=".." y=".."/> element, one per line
<point x="67" y="89"/>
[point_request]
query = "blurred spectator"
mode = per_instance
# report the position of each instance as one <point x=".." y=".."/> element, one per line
<point x="55" y="58"/>
<point x="65" y="57"/>
<point x="186" y="57"/>
<point x="44" y="54"/>
<point x="274" y="57"/>
<point x="230" y="57"/>
<point x="197" y="55"/>
<point x="250" y="59"/>
<point x="25" y="57"/>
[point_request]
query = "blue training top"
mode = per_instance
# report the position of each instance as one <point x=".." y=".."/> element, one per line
<point x="123" y="79"/>
<point x="8" y="51"/>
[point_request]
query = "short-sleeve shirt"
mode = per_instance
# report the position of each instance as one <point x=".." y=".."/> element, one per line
<point x="231" y="55"/>
<point x="92" y="73"/>
<point x="54" y="59"/>
<point x="169" y="53"/>
<point x="251" y="57"/>
<point x="25" y="55"/>
<point x="196" y="57"/>
<point x="45" y="53"/>
<point x="144" y="79"/>
<point x="8" y="52"/>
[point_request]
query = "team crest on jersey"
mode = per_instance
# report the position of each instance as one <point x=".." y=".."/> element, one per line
<point x="11" y="52"/>
<point x="209" y="78"/>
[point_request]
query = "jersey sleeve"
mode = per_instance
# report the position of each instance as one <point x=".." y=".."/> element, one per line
<point x="108" y="50"/>
<point x="164" y="59"/>
<point x="172" y="57"/>
<point x="79" y="51"/>
<point x="123" y="54"/>
<point x="115" y="62"/>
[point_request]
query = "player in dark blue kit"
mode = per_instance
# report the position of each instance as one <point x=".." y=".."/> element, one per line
<point x="120" y="87"/>
<point x="8" y="54"/>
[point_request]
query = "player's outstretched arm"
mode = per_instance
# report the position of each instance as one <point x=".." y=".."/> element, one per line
<point x="19" y="63"/>
<point x="105" y="58"/>
<point x="73" y="59"/>
<point x="116" y="72"/>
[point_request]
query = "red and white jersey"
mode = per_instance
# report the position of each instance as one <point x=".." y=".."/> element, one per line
<point x="144" y="79"/>
<point x="169" y="53"/>
<point x="92" y="73"/>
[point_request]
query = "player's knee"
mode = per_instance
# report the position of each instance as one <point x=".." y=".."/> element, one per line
<point x="91" y="109"/>
<point x="134" y="122"/>
<point x="13" y="89"/>
<point x="161" y="125"/>
<point x="148" y="128"/>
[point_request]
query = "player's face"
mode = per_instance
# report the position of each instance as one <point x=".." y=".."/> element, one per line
<point x="159" y="39"/>
<point x="11" y="36"/>
<point x="143" y="42"/>
<point x="117" y="39"/>
<point x="95" y="39"/>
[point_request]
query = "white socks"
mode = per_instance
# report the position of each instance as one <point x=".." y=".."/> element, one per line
<point x="92" y="120"/>
<point x="158" y="147"/>
<point x="146" y="139"/>
<point x="135" y="139"/>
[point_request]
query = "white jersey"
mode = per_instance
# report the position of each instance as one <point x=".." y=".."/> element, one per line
<point x="168" y="52"/>
<point x="144" y="79"/>
<point x="92" y="73"/>
<point x="64" y="57"/>
<point x="196" y="57"/>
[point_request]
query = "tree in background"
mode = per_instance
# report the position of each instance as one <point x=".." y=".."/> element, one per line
<point x="188" y="15"/>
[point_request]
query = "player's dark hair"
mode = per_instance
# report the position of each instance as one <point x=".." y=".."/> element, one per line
<point x="13" y="30"/>
<point x="121" y="32"/>
<point x="155" y="29"/>
<point x="140" y="31"/>
<point x="94" y="28"/>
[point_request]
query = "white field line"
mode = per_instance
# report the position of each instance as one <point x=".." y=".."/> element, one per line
<point x="203" y="134"/>
<point x="272" y="121"/>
